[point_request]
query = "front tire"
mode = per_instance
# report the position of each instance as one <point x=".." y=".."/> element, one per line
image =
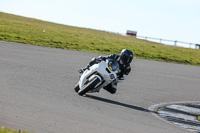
<point x="90" y="85"/>
<point x="76" y="88"/>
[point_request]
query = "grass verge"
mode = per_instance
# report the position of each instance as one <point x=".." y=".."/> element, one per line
<point x="36" y="32"/>
<point x="7" y="130"/>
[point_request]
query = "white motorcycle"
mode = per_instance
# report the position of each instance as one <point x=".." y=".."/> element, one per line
<point x="97" y="76"/>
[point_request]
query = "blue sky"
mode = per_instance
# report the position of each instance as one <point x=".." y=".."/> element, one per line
<point x="166" y="19"/>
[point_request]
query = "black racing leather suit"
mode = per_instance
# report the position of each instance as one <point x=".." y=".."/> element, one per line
<point x="125" y="69"/>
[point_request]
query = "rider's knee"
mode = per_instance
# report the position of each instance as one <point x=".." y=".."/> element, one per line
<point x="113" y="91"/>
<point x="110" y="89"/>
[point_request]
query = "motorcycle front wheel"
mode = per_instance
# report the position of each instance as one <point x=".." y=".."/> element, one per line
<point x="76" y="88"/>
<point x="90" y="85"/>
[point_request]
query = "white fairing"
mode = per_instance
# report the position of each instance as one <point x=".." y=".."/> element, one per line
<point x="101" y="71"/>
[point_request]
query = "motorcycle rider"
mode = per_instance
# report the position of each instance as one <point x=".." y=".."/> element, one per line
<point x="124" y="60"/>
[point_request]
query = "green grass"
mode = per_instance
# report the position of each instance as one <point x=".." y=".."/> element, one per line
<point x="36" y="32"/>
<point x="6" y="130"/>
<point x="198" y="118"/>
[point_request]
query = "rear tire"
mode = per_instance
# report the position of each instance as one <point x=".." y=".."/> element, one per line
<point x="89" y="86"/>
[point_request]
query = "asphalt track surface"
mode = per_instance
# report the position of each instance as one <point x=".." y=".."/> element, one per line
<point x="36" y="93"/>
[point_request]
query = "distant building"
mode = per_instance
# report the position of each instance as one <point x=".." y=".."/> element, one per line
<point x="197" y="46"/>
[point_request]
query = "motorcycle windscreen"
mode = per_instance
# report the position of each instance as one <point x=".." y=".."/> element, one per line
<point x="113" y="65"/>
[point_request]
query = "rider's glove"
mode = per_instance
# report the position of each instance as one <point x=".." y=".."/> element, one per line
<point x="102" y="58"/>
<point x="98" y="60"/>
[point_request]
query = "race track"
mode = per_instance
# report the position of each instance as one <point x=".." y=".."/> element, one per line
<point x="36" y="93"/>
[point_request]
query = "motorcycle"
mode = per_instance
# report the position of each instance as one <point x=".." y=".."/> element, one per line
<point x="97" y="76"/>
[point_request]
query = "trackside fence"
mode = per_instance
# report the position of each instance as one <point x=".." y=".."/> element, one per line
<point x="174" y="43"/>
<point x="171" y="42"/>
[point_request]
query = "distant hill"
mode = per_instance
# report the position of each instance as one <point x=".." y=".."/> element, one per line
<point x="36" y="32"/>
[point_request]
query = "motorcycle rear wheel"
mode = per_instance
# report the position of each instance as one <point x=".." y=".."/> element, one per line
<point x="90" y="85"/>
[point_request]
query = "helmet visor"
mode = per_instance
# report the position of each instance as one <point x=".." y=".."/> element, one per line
<point x="128" y="59"/>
